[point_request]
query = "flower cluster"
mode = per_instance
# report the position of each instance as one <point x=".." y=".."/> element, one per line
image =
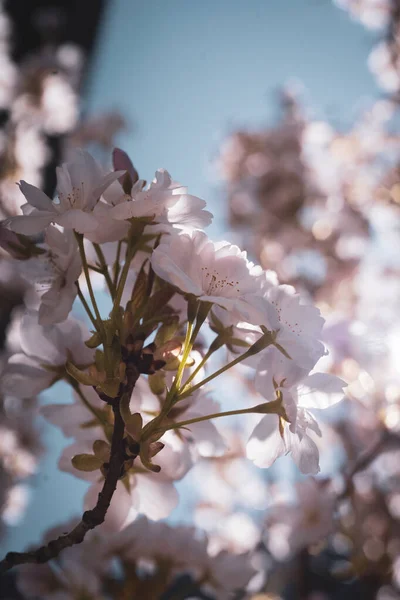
<point x="142" y="412"/>
<point x="155" y="558"/>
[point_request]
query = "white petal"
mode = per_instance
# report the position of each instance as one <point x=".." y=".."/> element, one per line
<point x="265" y="444"/>
<point x="35" y="197"/>
<point x="24" y="378"/>
<point x="321" y="390"/>
<point x="78" y="220"/>
<point x="305" y="454"/>
<point x="31" y="224"/>
<point x="157" y="499"/>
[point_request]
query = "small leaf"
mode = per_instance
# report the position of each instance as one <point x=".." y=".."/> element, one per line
<point x="110" y="387"/>
<point x="101" y="450"/>
<point x="86" y="462"/>
<point x="158" y="301"/>
<point x="80" y="376"/>
<point x="157" y="383"/>
<point x="172" y="365"/>
<point x="167" y="331"/>
<point x="134" y="426"/>
<point x="94" y="341"/>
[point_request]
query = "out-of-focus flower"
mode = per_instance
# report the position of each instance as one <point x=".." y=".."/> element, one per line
<point x="44" y="352"/>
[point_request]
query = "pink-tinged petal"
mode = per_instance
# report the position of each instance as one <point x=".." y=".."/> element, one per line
<point x="31" y="224"/>
<point x="35" y="197"/>
<point x="157" y="499"/>
<point x="71" y="418"/>
<point x="266" y="444"/>
<point x="104" y="184"/>
<point x="188" y="211"/>
<point x="78" y="220"/>
<point x="56" y="305"/>
<point x="44" y="344"/>
<point x="24" y="378"/>
<point x="78" y="447"/>
<point x="37" y="581"/>
<point x="321" y="390"/>
<point x="121" y="161"/>
<point x="165" y="267"/>
<point x="123" y="211"/>
<point x="208" y="440"/>
<point x="305" y="454"/>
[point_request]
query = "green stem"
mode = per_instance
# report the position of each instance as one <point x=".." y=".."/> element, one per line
<point x="186" y="351"/>
<point x="95" y="269"/>
<point x="104" y="269"/>
<point x="216" y="345"/>
<point x="86" y="305"/>
<point x="85" y="265"/>
<point x="130" y="253"/>
<point x="116" y="264"/>
<point x="273" y="407"/>
<point x="250" y="352"/>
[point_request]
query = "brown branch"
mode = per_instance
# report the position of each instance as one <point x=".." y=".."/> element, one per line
<point x="91" y="518"/>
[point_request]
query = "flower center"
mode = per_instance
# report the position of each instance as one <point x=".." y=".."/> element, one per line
<point x="74" y="198"/>
<point x="215" y="284"/>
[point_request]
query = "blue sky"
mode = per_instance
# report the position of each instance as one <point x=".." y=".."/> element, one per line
<point x="185" y="73"/>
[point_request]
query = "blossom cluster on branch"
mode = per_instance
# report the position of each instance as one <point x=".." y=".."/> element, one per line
<point x="143" y="413"/>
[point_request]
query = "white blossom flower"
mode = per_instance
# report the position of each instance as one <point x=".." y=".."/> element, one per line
<point x="44" y="352"/>
<point x="273" y="437"/>
<point x="298" y="326"/>
<point x="54" y="275"/>
<point x="80" y="183"/>
<point x="167" y="202"/>
<point x="186" y="552"/>
<point x="213" y="272"/>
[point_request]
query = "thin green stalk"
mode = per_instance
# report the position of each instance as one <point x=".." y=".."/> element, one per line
<point x="198" y="368"/>
<point x="129" y="255"/>
<point x="263" y="342"/>
<point x="116" y="263"/>
<point x="86" y="305"/>
<point x="266" y="408"/>
<point x="228" y="413"/>
<point x="186" y="351"/>
<point x="104" y="269"/>
<point x="95" y="269"/>
<point x="197" y="386"/>
<point x="79" y="238"/>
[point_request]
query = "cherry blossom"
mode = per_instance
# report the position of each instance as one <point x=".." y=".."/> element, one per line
<point x="44" y="353"/>
<point x="273" y="437"/>
<point x="166" y="202"/>
<point x="55" y="275"/>
<point x="80" y="183"/>
<point x="213" y="272"/>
